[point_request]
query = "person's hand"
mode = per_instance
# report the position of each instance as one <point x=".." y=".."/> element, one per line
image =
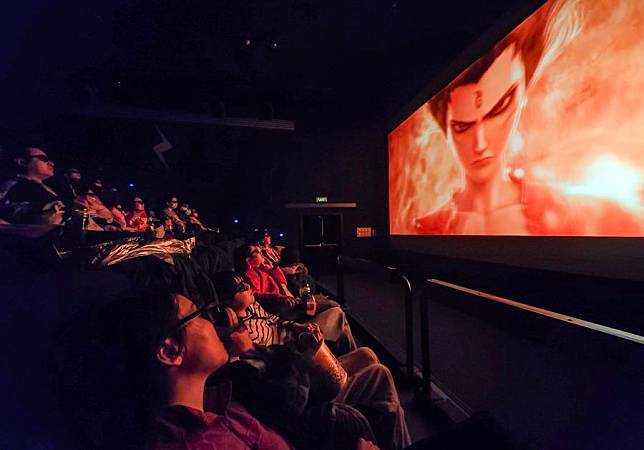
<point x="288" y="270"/>
<point x="310" y="340"/>
<point x="53" y="212"/>
<point x="238" y="342"/>
<point x="306" y="327"/>
<point x="364" y="444"/>
<point x="292" y="302"/>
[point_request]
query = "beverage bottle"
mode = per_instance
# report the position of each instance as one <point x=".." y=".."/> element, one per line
<point x="84" y="224"/>
<point x="307" y="300"/>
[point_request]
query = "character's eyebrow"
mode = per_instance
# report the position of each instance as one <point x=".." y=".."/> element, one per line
<point x="460" y="126"/>
<point x="503" y="102"/>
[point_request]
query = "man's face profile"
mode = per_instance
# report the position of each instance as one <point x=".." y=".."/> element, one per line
<point x="204" y="349"/>
<point x="482" y="116"/>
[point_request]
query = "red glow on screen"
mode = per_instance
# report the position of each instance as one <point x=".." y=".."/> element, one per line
<point x="540" y="136"/>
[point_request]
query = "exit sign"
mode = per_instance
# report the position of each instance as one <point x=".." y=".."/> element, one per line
<point x="321" y="199"/>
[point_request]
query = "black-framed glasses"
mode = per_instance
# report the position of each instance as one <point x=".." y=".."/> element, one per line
<point x="241" y="286"/>
<point x="213" y="312"/>
<point x="43" y="158"/>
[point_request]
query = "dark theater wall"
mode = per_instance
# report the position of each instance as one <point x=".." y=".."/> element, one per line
<point x="346" y="165"/>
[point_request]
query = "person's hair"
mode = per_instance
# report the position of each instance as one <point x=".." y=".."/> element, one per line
<point x="15" y="152"/>
<point x="225" y="284"/>
<point x="110" y="197"/>
<point x="84" y="187"/>
<point x="143" y="320"/>
<point x="529" y="42"/>
<point x="240" y="255"/>
<point x="107" y="374"/>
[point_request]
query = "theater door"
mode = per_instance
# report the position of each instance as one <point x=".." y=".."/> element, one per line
<point x="321" y="241"/>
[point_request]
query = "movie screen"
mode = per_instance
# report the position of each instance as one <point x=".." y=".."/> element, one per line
<point x="543" y="135"/>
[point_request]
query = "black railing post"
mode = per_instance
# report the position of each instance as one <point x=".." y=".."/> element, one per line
<point x="409" y="320"/>
<point x="339" y="273"/>
<point x="409" y="325"/>
<point x="424" y="340"/>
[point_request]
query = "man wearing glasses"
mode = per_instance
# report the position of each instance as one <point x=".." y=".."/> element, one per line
<point x="29" y="200"/>
<point x="179" y="347"/>
<point x="170" y="212"/>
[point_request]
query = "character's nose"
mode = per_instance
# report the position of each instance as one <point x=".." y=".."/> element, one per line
<point x="480" y="144"/>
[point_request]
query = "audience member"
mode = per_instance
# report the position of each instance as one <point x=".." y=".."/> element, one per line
<point x="112" y="202"/>
<point x="168" y="228"/>
<point x="170" y="212"/>
<point x="194" y="219"/>
<point x="268" y="392"/>
<point x="98" y="212"/>
<point x="175" y="348"/>
<point x="295" y="273"/>
<point x="269" y="328"/>
<point x="270" y="282"/>
<point x="137" y="219"/>
<point x="27" y="198"/>
<point x="67" y="186"/>
<point x="273" y="255"/>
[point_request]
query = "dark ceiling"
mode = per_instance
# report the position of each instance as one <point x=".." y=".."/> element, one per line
<point x="285" y="59"/>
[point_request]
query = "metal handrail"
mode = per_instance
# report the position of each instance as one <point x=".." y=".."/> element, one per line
<point x="394" y="274"/>
<point x="424" y="321"/>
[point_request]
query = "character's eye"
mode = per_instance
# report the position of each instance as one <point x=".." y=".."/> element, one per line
<point x="460" y="127"/>
<point x="503" y="104"/>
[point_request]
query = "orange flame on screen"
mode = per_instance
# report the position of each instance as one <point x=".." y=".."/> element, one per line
<point x="608" y="177"/>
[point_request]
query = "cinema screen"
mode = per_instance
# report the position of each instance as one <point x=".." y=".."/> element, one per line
<point x="541" y="136"/>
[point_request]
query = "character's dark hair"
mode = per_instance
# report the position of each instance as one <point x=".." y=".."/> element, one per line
<point x="529" y="42"/>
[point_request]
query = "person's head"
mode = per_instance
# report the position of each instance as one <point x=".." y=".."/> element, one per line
<point x="266" y="239"/>
<point x="73" y="175"/>
<point x="172" y="202"/>
<point x="111" y="198"/>
<point x="168" y="338"/>
<point x="34" y="163"/>
<point x="138" y="203"/>
<point x="167" y="224"/>
<point x="248" y="256"/>
<point x="195" y="213"/>
<point x="97" y="184"/>
<point x="191" y="344"/>
<point x="233" y="291"/>
<point x="479" y="111"/>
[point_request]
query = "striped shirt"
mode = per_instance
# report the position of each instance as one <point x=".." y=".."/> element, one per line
<point x="264" y="328"/>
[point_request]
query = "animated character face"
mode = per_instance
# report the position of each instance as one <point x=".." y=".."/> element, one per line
<point x="483" y="116"/>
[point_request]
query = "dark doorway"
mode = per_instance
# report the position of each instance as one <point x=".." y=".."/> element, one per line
<point x="321" y="237"/>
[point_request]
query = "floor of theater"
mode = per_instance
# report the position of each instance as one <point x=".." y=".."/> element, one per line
<point x="512" y="372"/>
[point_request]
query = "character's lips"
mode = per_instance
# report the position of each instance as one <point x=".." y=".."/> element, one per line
<point x="482" y="161"/>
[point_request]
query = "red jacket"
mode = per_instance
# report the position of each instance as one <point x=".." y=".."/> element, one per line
<point x="266" y="289"/>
